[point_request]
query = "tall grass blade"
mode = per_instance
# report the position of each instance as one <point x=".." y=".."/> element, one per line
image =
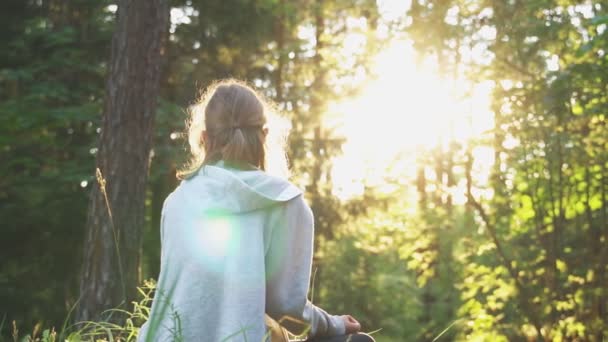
<point x="446" y="329"/>
<point x="374" y="332"/>
<point x="154" y="321"/>
<point x="2" y="323"/>
<point x="102" y="185"/>
<point x="238" y="332"/>
<point x="312" y="288"/>
<point x="64" y="326"/>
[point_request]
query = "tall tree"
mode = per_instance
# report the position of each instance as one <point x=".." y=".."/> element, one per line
<point x="116" y="210"/>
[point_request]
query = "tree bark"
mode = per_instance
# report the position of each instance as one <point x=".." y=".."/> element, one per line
<point x="116" y="210"/>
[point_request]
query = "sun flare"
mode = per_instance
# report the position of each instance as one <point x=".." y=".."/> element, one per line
<point x="408" y="108"/>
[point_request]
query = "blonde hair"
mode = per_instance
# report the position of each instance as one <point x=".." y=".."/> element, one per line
<point x="236" y="118"/>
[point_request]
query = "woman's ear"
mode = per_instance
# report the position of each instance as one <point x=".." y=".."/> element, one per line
<point x="204" y="138"/>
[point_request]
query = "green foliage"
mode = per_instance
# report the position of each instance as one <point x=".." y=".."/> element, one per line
<point x="527" y="262"/>
<point x="51" y="81"/>
<point x="528" y="278"/>
<point x="361" y="273"/>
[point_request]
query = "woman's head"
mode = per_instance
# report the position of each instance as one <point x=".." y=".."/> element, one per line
<point x="231" y="122"/>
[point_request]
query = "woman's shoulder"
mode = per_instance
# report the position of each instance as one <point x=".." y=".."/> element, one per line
<point x="232" y="190"/>
<point x="270" y="186"/>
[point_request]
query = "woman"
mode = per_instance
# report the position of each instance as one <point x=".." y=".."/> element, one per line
<point x="237" y="241"/>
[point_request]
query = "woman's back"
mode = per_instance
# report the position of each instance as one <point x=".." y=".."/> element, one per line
<point x="215" y="233"/>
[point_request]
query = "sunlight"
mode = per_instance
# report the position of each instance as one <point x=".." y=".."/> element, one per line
<point x="393" y="9"/>
<point x="213" y="238"/>
<point x="406" y="110"/>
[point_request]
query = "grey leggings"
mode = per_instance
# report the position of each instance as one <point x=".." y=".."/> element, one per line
<point x="344" y="338"/>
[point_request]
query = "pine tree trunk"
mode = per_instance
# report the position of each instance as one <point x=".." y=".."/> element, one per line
<point x="116" y="209"/>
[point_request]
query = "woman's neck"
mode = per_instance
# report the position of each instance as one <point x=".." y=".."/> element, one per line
<point x="239" y="165"/>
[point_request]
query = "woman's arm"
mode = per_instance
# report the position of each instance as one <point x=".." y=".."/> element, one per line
<point x="288" y="268"/>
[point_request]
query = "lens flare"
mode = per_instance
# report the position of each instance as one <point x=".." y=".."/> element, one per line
<point x="213" y="238"/>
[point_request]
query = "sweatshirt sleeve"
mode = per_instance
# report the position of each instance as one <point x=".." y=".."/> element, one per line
<point x="288" y="268"/>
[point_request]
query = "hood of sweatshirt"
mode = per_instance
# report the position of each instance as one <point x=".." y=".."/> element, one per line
<point x="222" y="189"/>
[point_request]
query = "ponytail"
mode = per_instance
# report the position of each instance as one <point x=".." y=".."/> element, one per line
<point x="234" y="118"/>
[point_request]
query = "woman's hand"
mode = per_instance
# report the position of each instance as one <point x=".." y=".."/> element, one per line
<point x="351" y="324"/>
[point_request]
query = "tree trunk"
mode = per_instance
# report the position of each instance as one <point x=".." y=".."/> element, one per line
<point x="116" y="210"/>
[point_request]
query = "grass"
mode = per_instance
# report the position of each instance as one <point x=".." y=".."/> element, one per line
<point x="90" y="331"/>
<point x="111" y="332"/>
<point x="128" y="331"/>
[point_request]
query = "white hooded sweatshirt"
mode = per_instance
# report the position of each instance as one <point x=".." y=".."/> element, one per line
<point x="235" y="245"/>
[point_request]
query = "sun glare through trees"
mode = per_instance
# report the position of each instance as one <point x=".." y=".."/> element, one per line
<point x="454" y="154"/>
<point x="407" y="106"/>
